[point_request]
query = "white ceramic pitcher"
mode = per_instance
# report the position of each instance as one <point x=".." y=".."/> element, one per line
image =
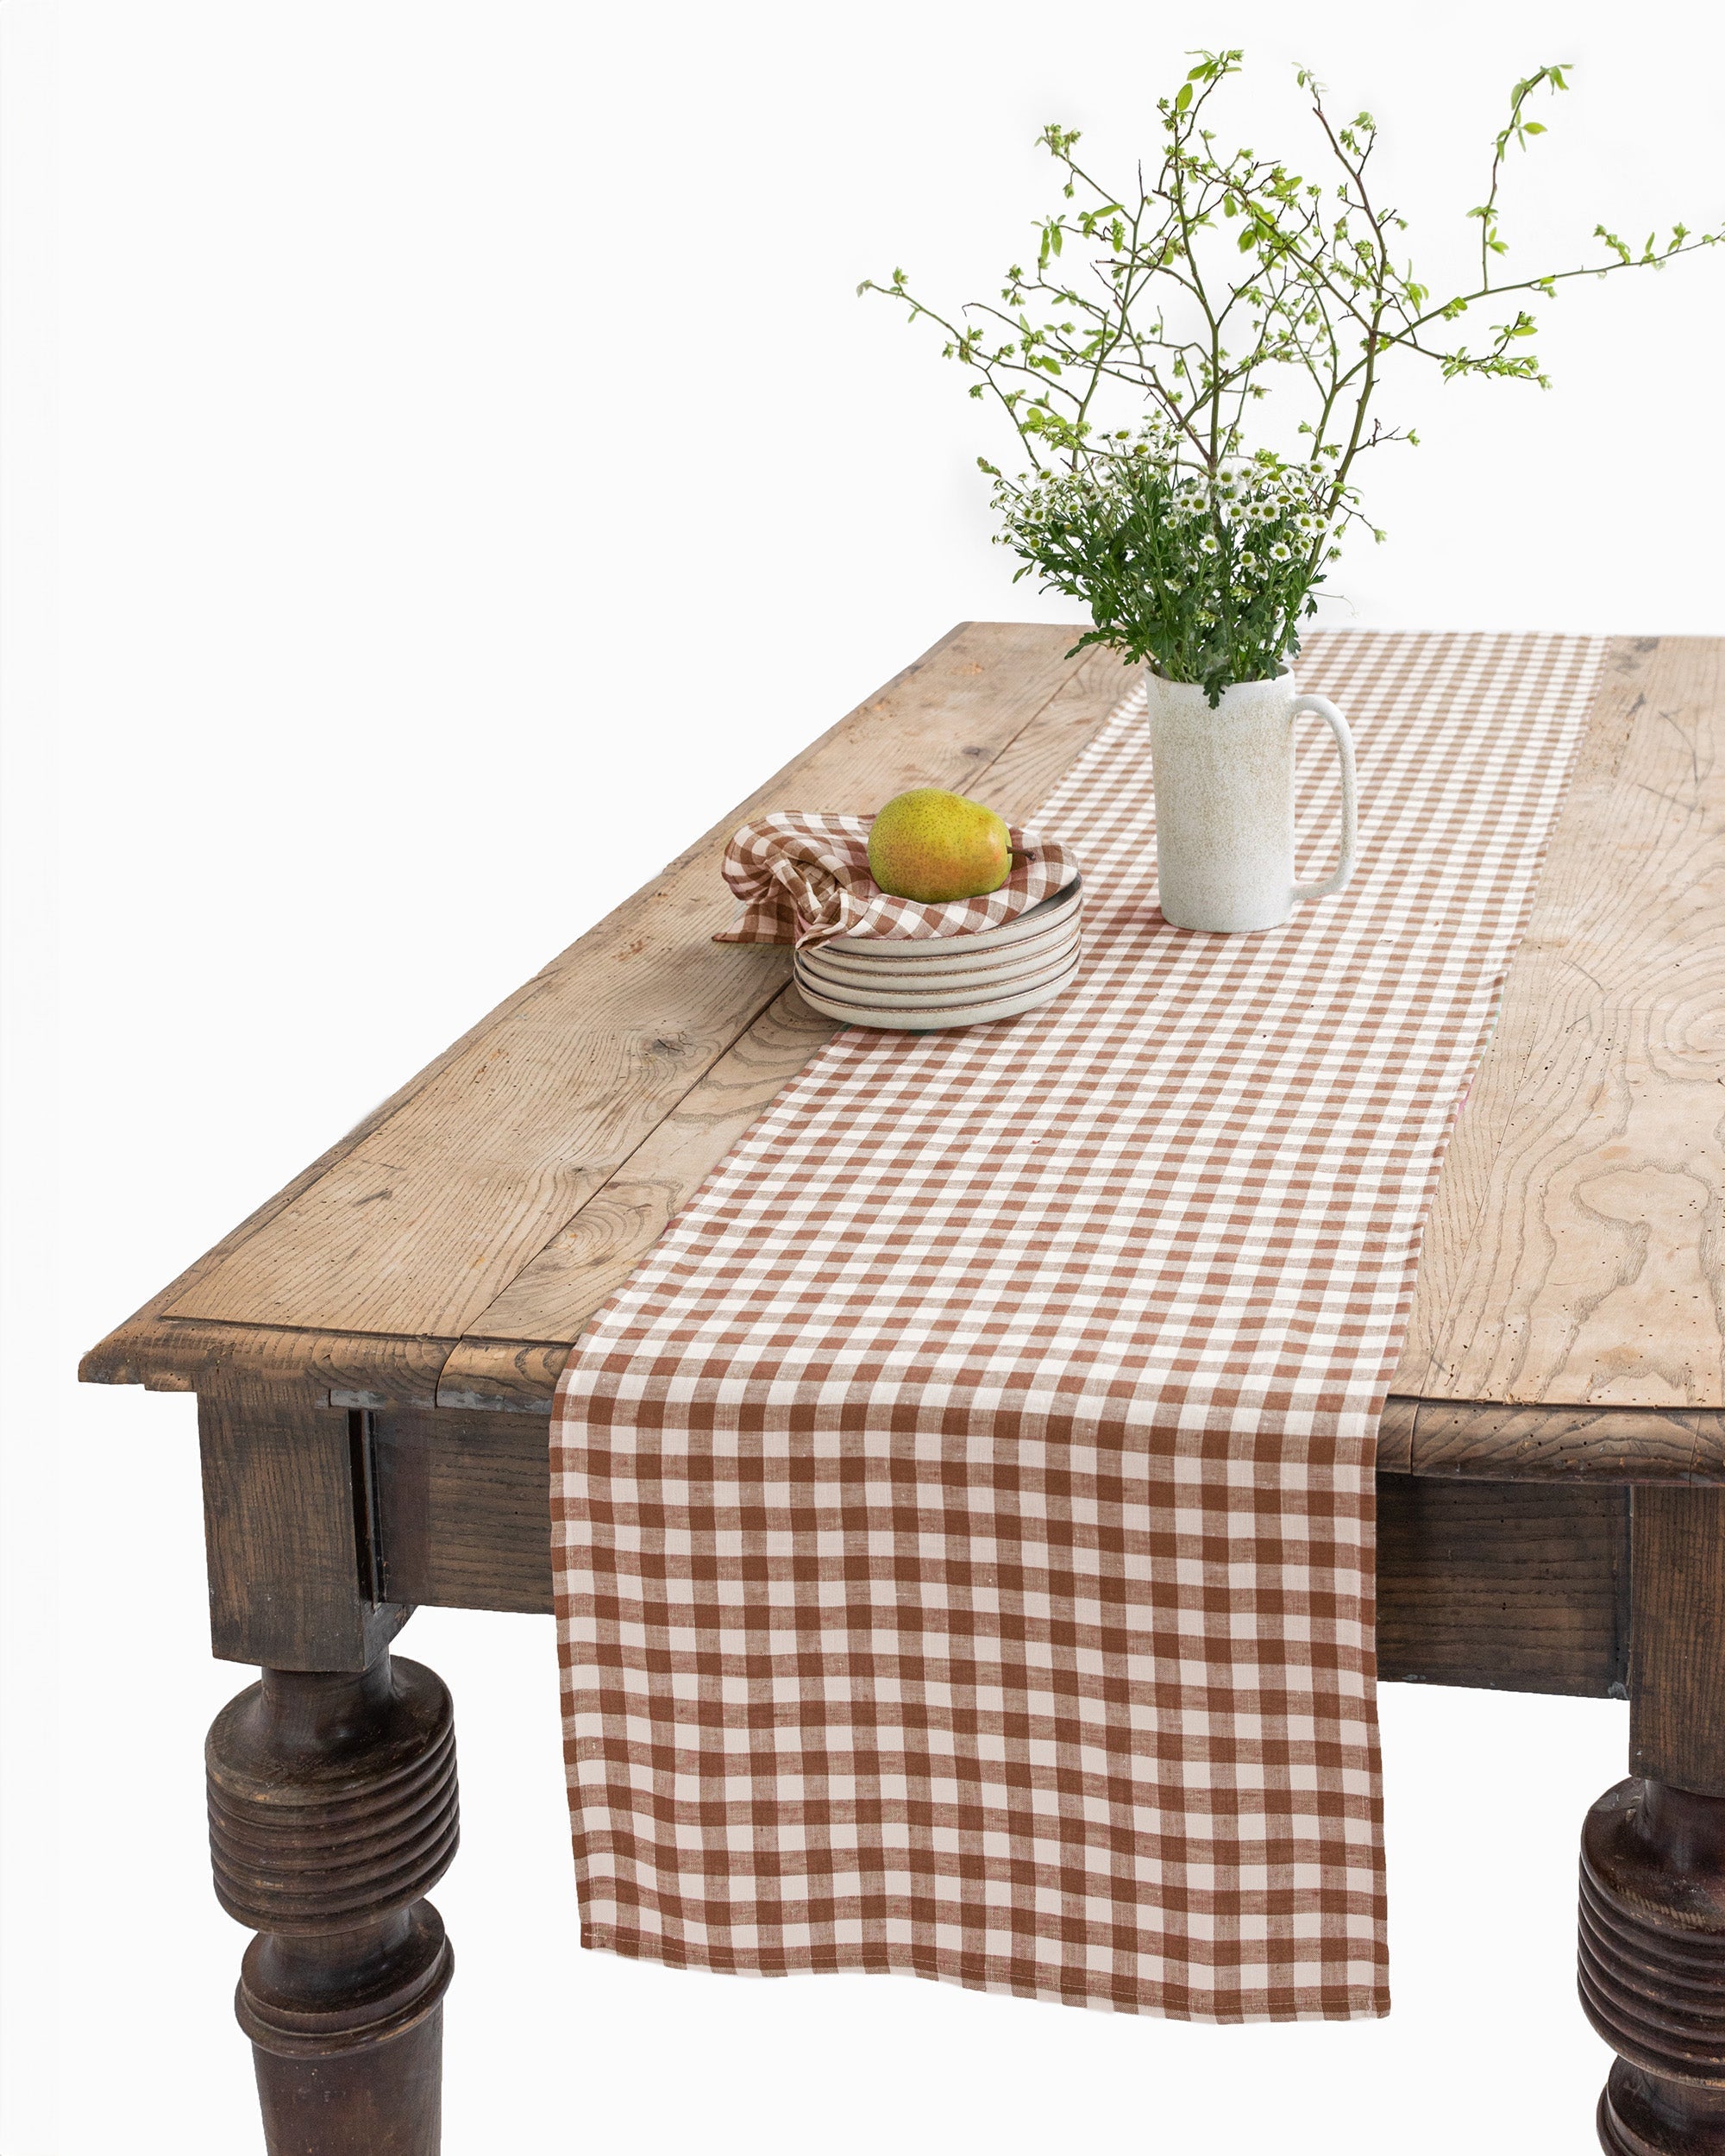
<point x="1224" y="786"/>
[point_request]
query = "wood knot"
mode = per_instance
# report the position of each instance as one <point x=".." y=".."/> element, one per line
<point x="673" y="1044"/>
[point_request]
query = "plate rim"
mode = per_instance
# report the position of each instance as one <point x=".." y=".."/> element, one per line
<point x="954" y="986"/>
<point x="983" y="963"/>
<point x="885" y="1017"/>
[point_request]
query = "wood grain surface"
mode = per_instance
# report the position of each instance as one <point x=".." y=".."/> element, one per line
<point x="1545" y="1443"/>
<point x="1506" y="1585"/>
<point x="286" y="1533"/>
<point x="590" y="1258"/>
<point x="427" y="1220"/>
<point x="1568" y="1316"/>
<point x="554" y="1297"/>
<point x="463" y="1509"/>
<point x="1676" y="1732"/>
<point x="1576" y="1255"/>
<point x="357" y="1283"/>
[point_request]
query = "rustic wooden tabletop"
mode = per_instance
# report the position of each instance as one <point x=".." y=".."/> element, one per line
<point x="1569" y="1315"/>
<point x="375" y="1352"/>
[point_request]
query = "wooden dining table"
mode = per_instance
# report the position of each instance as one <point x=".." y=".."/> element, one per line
<point x="375" y="1350"/>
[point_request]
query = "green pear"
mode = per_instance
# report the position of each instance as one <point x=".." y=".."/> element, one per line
<point x="936" y="846"/>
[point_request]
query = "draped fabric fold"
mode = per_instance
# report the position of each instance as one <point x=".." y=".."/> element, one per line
<point x="801" y="877"/>
<point x="962" y="1519"/>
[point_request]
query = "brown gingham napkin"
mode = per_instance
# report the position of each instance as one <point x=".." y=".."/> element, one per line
<point x="803" y="878"/>
<point x="962" y="1519"/>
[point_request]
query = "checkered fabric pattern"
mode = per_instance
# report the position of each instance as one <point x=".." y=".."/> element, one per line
<point x="964" y="1518"/>
<point x="802" y="878"/>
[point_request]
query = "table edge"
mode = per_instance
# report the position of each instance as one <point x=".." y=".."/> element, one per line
<point x="1419" y="1434"/>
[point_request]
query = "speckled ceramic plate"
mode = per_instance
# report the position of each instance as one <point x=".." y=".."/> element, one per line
<point x="950" y="961"/>
<point x="958" y="977"/>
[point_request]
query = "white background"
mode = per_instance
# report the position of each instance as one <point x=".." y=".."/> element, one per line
<point x="472" y="474"/>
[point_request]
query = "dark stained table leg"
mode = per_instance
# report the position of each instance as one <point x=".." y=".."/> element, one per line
<point x="1653" y="1863"/>
<point x="332" y="1811"/>
<point x="332" y="1786"/>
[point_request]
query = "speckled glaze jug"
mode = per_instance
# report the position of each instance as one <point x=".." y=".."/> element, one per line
<point x="1224" y="783"/>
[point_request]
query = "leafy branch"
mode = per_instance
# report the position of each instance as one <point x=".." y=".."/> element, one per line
<point x="1517" y="131"/>
<point x="1181" y="303"/>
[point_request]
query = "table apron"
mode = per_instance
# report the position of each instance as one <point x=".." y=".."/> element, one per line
<point x="1511" y="1585"/>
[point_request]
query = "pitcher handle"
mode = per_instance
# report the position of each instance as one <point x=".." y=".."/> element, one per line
<point x="1321" y="707"/>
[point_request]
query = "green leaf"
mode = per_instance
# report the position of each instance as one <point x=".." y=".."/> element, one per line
<point x="1184" y="99"/>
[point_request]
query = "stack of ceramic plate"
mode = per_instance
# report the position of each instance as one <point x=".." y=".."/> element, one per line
<point x="916" y="987"/>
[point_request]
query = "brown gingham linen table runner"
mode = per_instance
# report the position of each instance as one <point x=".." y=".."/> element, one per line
<point x="962" y="1519"/>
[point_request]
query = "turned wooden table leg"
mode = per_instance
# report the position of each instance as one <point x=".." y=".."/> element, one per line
<point x="332" y="1784"/>
<point x="332" y="1811"/>
<point x="1653" y="1862"/>
<point x="1652" y="1966"/>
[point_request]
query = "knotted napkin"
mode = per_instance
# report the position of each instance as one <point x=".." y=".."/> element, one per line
<point x="803" y="878"/>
